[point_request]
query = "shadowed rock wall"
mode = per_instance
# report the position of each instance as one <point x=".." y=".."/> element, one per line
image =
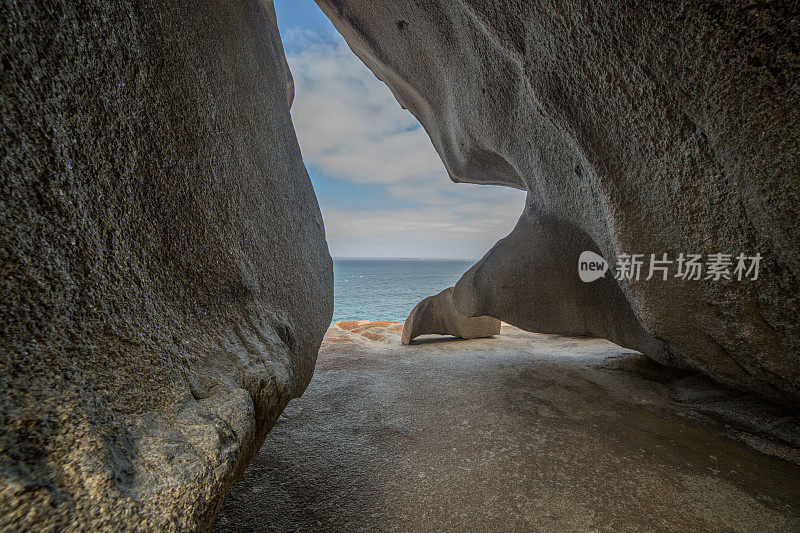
<point x="165" y="278"/>
<point x="637" y="127"/>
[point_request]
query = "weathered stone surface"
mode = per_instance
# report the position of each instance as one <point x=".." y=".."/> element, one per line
<point x="371" y="330"/>
<point x="638" y="127"/>
<point x="436" y="315"/>
<point x="523" y="432"/>
<point x="165" y="278"/>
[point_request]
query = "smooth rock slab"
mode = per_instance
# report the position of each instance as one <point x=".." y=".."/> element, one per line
<point x="436" y="315"/>
<point x="522" y="432"/>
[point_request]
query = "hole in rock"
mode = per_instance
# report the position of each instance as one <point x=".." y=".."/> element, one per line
<point x="523" y="431"/>
<point x="397" y="227"/>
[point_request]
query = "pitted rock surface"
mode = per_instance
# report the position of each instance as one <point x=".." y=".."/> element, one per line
<point x="165" y="278"/>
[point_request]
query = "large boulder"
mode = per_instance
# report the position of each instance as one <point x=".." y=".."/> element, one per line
<point x="165" y="278"/>
<point x="636" y="128"/>
<point x="436" y="315"/>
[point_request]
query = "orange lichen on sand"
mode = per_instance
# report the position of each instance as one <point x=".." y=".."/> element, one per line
<point x="376" y="330"/>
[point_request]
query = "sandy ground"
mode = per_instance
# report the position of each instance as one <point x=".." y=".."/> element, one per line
<point x="521" y="432"/>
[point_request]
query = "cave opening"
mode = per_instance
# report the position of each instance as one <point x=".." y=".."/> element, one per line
<point x="166" y="349"/>
<point x="397" y="228"/>
<point x="523" y="431"/>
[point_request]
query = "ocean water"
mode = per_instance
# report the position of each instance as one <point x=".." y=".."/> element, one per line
<point x="388" y="289"/>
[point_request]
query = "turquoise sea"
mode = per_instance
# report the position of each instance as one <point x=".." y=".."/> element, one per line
<point x="388" y="289"/>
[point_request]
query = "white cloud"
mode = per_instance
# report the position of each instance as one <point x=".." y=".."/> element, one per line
<point x="351" y="128"/>
<point x="429" y="231"/>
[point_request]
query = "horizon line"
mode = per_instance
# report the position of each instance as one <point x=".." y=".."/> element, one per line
<point x="400" y="258"/>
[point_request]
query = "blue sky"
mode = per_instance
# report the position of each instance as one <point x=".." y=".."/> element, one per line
<point x="382" y="188"/>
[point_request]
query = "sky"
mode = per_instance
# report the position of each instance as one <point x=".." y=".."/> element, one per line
<point x="382" y="188"/>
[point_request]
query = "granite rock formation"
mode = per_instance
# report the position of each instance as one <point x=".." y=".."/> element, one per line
<point x="165" y="278"/>
<point x="636" y="128"/>
<point x="522" y="432"/>
<point x="436" y="315"/>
